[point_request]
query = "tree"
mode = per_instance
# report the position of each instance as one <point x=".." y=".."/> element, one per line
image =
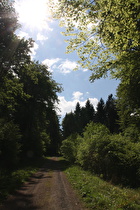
<point x="78" y="119"/>
<point x="8" y="25"/>
<point x="69" y="147"/>
<point x="111" y="114"/>
<point x="28" y="95"/>
<point x="90" y="112"/>
<point x="54" y="132"/>
<point x="105" y="33"/>
<point x="14" y="53"/>
<point x="100" y="116"/>
<point x="10" y="137"/>
<point x="68" y="125"/>
<point x="34" y="114"/>
<point x="128" y="102"/>
<point x="116" y="156"/>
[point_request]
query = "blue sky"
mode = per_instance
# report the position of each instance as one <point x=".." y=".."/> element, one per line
<point x="49" y="49"/>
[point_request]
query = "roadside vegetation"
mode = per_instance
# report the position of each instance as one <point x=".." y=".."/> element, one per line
<point x="114" y="157"/>
<point x="99" y="194"/>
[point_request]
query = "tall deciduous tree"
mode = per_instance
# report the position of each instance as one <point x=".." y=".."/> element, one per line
<point x="33" y="114"/>
<point x="28" y="95"/>
<point x="8" y="24"/>
<point x="128" y="102"/>
<point x="106" y="35"/>
<point x="104" y="31"/>
<point x="10" y="88"/>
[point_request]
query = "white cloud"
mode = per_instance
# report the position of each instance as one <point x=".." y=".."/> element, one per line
<point x="65" y="106"/>
<point x="67" y="66"/>
<point x="94" y="101"/>
<point x="77" y="95"/>
<point x="84" y="70"/>
<point x="51" y="63"/>
<point x="41" y="37"/>
<point x="64" y="66"/>
<point x="68" y="106"/>
<point x="22" y="34"/>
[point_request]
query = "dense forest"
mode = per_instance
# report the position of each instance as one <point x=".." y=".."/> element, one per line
<point x="29" y="125"/>
<point x="95" y="140"/>
<point x="105" y="139"/>
<point x="105" y="113"/>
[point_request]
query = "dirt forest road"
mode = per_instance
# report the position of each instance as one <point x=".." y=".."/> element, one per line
<point x="48" y="189"/>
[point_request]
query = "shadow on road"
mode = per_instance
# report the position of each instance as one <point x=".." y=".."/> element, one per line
<point x="55" y="164"/>
<point x="30" y="195"/>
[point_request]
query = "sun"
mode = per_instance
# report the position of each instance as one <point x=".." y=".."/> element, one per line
<point x="33" y="13"/>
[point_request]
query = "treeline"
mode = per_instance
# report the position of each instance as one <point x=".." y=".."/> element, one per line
<point x="113" y="157"/>
<point x="29" y="125"/>
<point x="95" y="140"/>
<point x="105" y="113"/>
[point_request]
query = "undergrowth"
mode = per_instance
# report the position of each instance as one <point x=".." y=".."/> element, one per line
<point x="98" y="194"/>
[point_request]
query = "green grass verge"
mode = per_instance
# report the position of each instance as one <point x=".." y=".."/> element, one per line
<point x="100" y="195"/>
<point x="10" y="180"/>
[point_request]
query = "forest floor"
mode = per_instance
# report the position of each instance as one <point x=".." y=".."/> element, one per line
<point x="48" y="189"/>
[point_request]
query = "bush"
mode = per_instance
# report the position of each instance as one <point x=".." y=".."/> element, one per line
<point x="133" y="133"/>
<point x="124" y="160"/>
<point x="92" y="148"/>
<point x="70" y="146"/>
<point x="115" y="157"/>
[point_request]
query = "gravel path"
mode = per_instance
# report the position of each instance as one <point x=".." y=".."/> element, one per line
<point x="48" y="189"/>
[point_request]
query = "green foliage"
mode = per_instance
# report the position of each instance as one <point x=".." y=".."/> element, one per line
<point x="106" y="114"/>
<point x="98" y="194"/>
<point x="101" y="31"/>
<point x="69" y="125"/>
<point x="111" y="118"/>
<point x="128" y="101"/>
<point x="105" y="34"/>
<point x="28" y="95"/>
<point x="33" y="112"/>
<point x="54" y="132"/>
<point x="100" y="114"/>
<point x="133" y="133"/>
<point x="124" y="160"/>
<point x="9" y="143"/>
<point x="115" y="157"/>
<point x="91" y="150"/>
<point x="8" y="24"/>
<point x="70" y="146"/>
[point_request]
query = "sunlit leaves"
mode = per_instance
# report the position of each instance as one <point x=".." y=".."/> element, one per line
<point x="101" y="32"/>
